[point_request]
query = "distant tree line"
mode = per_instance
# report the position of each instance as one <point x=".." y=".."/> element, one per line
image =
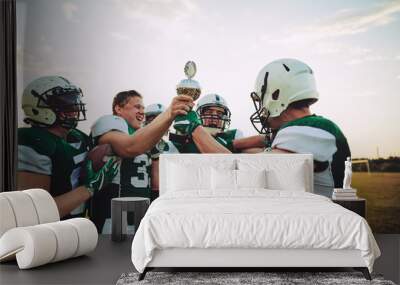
<point x="390" y="164"/>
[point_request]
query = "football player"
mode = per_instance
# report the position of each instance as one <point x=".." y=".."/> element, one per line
<point x="207" y="128"/>
<point x="51" y="152"/>
<point x="129" y="140"/>
<point x="152" y="111"/>
<point x="284" y="91"/>
<point x="163" y="146"/>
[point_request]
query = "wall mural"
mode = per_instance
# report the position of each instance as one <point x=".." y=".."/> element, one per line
<point x="102" y="52"/>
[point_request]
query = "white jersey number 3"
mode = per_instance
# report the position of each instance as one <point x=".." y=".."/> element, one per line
<point x="141" y="180"/>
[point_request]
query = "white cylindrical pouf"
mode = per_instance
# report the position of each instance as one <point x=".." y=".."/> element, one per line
<point x="7" y="218"/>
<point x="33" y="246"/>
<point x="23" y="208"/>
<point x="67" y="239"/>
<point x="87" y="235"/>
<point x="45" y="205"/>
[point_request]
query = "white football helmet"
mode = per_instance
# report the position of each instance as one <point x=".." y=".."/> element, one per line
<point x="214" y="123"/>
<point x="53" y="100"/>
<point x="279" y="84"/>
<point x="152" y="111"/>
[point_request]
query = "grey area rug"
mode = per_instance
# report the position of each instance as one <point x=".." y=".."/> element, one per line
<point x="273" y="278"/>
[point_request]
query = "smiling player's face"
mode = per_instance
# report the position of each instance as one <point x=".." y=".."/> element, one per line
<point x="132" y="111"/>
<point x="213" y="117"/>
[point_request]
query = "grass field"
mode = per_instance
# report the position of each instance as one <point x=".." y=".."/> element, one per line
<point x="382" y="192"/>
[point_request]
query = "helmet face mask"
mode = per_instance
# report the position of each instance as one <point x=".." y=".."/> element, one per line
<point x="53" y="100"/>
<point x="214" y="113"/>
<point x="149" y="119"/>
<point x="68" y="107"/>
<point x="259" y="119"/>
<point x="214" y="117"/>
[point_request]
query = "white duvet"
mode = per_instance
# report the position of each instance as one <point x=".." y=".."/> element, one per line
<point x="250" y="219"/>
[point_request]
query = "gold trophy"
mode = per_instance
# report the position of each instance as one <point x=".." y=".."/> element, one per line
<point x="189" y="87"/>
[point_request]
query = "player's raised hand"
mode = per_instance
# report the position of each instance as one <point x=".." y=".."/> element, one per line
<point x="185" y="125"/>
<point x="180" y="105"/>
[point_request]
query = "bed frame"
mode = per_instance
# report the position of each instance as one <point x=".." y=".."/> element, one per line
<point x="246" y="258"/>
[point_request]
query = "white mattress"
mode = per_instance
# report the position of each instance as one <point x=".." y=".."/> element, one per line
<point x="250" y="219"/>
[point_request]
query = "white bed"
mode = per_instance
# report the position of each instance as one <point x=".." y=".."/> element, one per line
<point x="215" y="211"/>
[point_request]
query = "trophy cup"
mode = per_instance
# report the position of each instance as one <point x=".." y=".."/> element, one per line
<point x="188" y="86"/>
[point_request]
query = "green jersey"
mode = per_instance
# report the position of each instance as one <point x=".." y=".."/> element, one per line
<point x="132" y="180"/>
<point x="322" y="138"/>
<point x="135" y="177"/>
<point x="226" y="139"/>
<point x="42" y="152"/>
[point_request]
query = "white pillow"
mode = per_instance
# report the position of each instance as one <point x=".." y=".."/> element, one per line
<point x="281" y="173"/>
<point x="293" y="180"/>
<point x="188" y="177"/>
<point x="223" y="179"/>
<point x="251" y="178"/>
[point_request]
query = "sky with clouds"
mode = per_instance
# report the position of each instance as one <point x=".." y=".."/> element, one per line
<point x="105" y="47"/>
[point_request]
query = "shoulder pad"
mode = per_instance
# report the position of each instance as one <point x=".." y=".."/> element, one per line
<point x="306" y="139"/>
<point x="108" y="123"/>
<point x="38" y="139"/>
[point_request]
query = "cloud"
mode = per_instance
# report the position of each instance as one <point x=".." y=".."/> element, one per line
<point x="69" y="9"/>
<point x="343" y="23"/>
<point x="159" y="9"/>
<point x="325" y="36"/>
<point x="120" y="36"/>
<point x="351" y="22"/>
<point x="331" y="47"/>
<point x="369" y="58"/>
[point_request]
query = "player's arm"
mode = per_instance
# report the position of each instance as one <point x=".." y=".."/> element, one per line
<point x="145" y="138"/>
<point x="65" y="202"/>
<point x="34" y="171"/>
<point x="206" y="143"/>
<point x="72" y="199"/>
<point x="257" y="142"/>
<point x="252" y="150"/>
